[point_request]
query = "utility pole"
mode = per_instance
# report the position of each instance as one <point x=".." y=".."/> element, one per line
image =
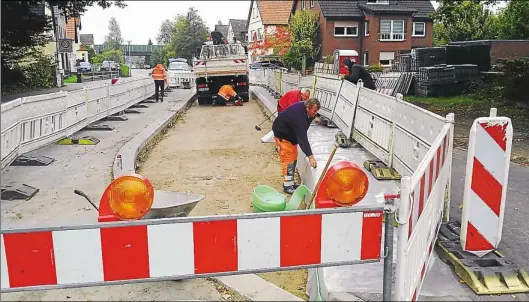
<point x="128" y="50"/>
<point x="58" y="78"/>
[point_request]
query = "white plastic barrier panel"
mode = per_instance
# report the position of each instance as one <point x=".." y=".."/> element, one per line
<point x="488" y="160"/>
<point x="414" y="141"/>
<point x="420" y="215"/>
<point x="31" y="122"/>
<point x="289" y="81"/>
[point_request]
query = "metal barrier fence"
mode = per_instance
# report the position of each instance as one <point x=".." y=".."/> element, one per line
<point x="31" y="122"/>
<point x="414" y="141"/>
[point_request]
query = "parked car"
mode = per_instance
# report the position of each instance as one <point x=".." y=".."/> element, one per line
<point x="109" y="65"/>
<point x="84" y="67"/>
<point x="266" y="65"/>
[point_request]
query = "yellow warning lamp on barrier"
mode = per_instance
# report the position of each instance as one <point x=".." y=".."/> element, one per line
<point x="345" y="184"/>
<point x="128" y="197"/>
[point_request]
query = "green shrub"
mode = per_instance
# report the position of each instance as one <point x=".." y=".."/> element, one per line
<point x="124" y="71"/>
<point x="36" y="73"/>
<point x="375" y="68"/>
<point x="329" y="59"/>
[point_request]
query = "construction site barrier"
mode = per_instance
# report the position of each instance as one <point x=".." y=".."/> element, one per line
<point x="188" y="247"/>
<point x="29" y="123"/>
<point x="489" y="157"/>
<point x="390" y="128"/>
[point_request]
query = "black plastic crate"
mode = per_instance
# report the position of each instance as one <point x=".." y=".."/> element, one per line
<point x="443" y="74"/>
<point x="466" y="72"/>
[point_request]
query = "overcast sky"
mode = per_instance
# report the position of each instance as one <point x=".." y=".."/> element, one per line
<point x="141" y="20"/>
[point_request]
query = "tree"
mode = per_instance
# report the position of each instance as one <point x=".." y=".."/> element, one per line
<point x="166" y="30"/>
<point x="513" y="21"/>
<point x="149" y="42"/>
<point x="463" y="21"/>
<point x="24" y="32"/>
<point x="189" y="32"/>
<point x="304" y="29"/>
<point x="113" y="40"/>
<point x="278" y="41"/>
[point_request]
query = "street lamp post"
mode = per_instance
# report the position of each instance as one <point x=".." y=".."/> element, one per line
<point x="128" y="50"/>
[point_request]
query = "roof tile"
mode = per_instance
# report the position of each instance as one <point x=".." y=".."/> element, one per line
<point x="275" y="12"/>
<point x="354" y="8"/>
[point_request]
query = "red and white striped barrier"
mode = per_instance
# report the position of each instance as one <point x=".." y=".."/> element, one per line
<point x="488" y="160"/>
<point x="188" y="247"/>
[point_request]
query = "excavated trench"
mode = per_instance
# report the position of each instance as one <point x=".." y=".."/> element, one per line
<point x="216" y="151"/>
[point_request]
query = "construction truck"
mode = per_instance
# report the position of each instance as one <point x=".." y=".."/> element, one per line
<point x="218" y="64"/>
<point x="179" y="74"/>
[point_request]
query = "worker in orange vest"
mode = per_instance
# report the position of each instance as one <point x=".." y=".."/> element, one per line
<point x="226" y="94"/>
<point x="160" y="79"/>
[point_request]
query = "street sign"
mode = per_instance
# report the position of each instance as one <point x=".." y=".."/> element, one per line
<point x="65" y="45"/>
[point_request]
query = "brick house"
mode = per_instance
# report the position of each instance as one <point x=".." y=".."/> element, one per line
<point x="265" y="17"/>
<point x="377" y="29"/>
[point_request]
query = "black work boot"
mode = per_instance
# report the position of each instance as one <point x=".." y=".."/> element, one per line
<point x="289" y="189"/>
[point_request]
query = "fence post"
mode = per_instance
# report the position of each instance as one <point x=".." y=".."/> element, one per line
<point x="389" y="216"/>
<point x="446" y="214"/>
<point x="402" y="243"/>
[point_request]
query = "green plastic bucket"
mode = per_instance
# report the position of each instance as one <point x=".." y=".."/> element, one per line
<point x="267" y="199"/>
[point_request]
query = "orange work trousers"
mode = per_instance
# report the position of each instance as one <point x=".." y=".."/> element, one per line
<point x="288" y="155"/>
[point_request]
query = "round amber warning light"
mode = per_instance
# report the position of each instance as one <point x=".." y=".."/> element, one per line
<point x="347" y="186"/>
<point x="130" y="196"/>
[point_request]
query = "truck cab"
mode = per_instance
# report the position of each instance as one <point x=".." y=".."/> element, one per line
<point x="218" y="64"/>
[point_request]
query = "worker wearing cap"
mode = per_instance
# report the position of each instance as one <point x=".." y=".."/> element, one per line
<point x="226" y="94"/>
<point x="358" y="72"/>
<point x="159" y="74"/>
<point x="290" y="129"/>
<point x="291" y="97"/>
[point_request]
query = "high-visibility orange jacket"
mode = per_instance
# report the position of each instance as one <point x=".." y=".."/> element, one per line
<point x="227" y="92"/>
<point x="159" y="73"/>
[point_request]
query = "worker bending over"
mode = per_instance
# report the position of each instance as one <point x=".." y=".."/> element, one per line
<point x="291" y="97"/>
<point x="358" y="72"/>
<point x="290" y="129"/>
<point x="159" y="74"/>
<point x="227" y="94"/>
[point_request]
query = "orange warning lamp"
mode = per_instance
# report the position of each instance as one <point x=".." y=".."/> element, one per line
<point x="128" y="197"/>
<point x="344" y="184"/>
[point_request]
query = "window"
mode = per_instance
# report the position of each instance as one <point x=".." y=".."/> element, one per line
<point x="378" y="1"/>
<point x="386" y="57"/>
<point x="366" y="28"/>
<point x="259" y="35"/>
<point x="419" y="29"/>
<point x="345" y="29"/>
<point x="366" y="58"/>
<point x="252" y="37"/>
<point x="302" y="4"/>
<point x="311" y="3"/>
<point x="391" y="30"/>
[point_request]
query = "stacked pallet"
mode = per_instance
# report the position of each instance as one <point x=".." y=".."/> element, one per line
<point x="444" y="80"/>
<point x="391" y="83"/>
<point x="425" y="57"/>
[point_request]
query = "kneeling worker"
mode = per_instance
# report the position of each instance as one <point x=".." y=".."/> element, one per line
<point x="290" y="128"/>
<point x="291" y="97"/>
<point x="227" y="94"/>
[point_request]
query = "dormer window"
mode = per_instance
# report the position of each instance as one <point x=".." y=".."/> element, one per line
<point x="378" y="1"/>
